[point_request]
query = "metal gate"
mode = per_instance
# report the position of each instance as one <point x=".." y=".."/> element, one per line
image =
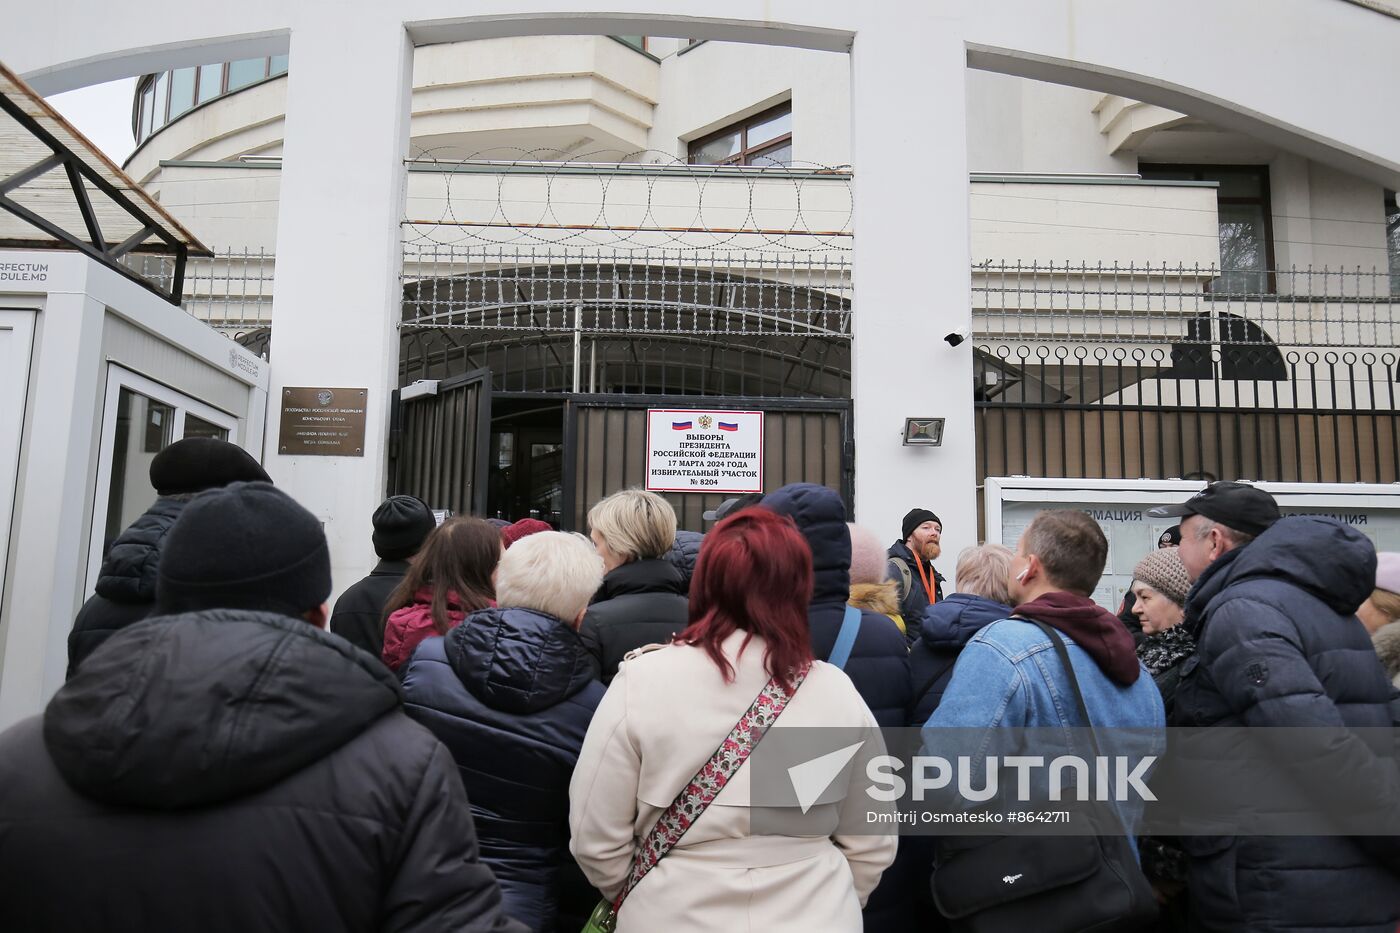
<point x="805" y="441"/>
<point x="437" y="444"/>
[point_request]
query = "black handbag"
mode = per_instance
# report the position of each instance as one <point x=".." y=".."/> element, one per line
<point x="1051" y="884"/>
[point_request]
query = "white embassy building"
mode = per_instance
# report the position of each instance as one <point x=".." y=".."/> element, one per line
<point x="1097" y="239"/>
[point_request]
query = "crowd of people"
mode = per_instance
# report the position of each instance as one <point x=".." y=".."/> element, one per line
<point x="504" y="727"/>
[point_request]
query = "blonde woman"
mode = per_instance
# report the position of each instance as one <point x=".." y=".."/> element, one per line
<point x="642" y="600"/>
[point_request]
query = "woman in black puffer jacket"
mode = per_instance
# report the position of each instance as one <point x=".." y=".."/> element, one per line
<point x="510" y="692"/>
<point x="642" y="600"/>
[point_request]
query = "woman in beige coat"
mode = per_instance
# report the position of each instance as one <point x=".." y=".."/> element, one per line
<point x="667" y="711"/>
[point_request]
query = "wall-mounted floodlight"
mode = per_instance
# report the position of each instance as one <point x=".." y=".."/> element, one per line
<point x="419" y="389"/>
<point x="923" y="432"/>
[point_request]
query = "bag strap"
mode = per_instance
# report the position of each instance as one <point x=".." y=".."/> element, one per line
<point x="845" y="638"/>
<point x="1063" y="653"/>
<point x="906" y="576"/>
<point x="702" y="789"/>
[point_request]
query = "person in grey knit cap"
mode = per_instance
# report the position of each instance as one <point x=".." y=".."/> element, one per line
<point x="1160" y="584"/>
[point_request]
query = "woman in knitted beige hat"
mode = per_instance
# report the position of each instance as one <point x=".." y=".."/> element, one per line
<point x="1160" y="584"/>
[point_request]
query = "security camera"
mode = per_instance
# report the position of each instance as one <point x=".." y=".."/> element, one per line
<point x="958" y="336"/>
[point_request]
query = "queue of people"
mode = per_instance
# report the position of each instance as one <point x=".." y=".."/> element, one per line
<point x="507" y="727"/>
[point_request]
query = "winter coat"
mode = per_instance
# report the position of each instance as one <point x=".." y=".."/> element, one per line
<point x="1279" y="645"/>
<point x="235" y="770"/>
<point x="126" y="584"/>
<point x="914" y="599"/>
<point x="406" y="628"/>
<point x="510" y="693"/>
<point x="1164" y="654"/>
<point x="1008" y="676"/>
<point x="684" y="552"/>
<point x="878" y="597"/>
<point x="639" y="603"/>
<point x="359" y="612"/>
<point x="946" y="627"/>
<point x="1387" y="644"/>
<point x="664" y="716"/>
<point x="879" y="661"/>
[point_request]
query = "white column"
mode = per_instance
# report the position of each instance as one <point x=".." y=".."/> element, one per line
<point x="339" y="256"/>
<point x="54" y="502"/>
<point x="912" y="279"/>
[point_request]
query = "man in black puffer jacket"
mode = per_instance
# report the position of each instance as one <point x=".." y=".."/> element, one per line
<point x="511" y="691"/>
<point x="126" y="584"/>
<point x="1272" y="611"/>
<point x="228" y="766"/>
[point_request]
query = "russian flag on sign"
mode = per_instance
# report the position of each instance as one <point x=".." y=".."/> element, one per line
<point x="680" y="425"/>
<point x="728" y="426"/>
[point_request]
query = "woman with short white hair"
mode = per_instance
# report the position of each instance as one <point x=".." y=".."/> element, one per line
<point x="510" y="692"/>
<point x="643" y="597"/>
<point x="983" y="575"/>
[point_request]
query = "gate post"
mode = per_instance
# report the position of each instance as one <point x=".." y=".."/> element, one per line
<point x="339" y="256"/>
<point x="912" y="271"/>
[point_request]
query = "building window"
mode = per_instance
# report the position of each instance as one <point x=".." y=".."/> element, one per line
<point x="1392" y="240"/>
<point x="165" y="97"/>
<point x="763" y="139"/>
<point x="1246" y="221"/>
<point x="637" y="42"/>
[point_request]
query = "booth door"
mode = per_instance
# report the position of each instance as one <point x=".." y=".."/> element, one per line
<point x="16" y="342"/>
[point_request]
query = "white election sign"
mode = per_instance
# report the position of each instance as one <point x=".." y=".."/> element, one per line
<point x="704" y="451"/>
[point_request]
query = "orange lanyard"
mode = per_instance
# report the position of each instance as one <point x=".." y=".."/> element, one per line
<point x="925" y="578"/>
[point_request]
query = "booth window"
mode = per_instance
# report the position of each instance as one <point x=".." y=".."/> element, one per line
<point x="1245" y="221"/>
<point x="144" y="423"/>
<point x="762" y="139"/>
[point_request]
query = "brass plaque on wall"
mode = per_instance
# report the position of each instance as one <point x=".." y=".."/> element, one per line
<point x="323" y="422"/>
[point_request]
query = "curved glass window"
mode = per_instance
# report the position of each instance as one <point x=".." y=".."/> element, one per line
<point x="165" y="97"/>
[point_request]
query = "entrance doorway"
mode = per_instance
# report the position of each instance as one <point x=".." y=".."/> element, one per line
<point x="526" y="459"/>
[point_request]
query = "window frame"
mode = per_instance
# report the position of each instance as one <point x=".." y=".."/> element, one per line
<point x="746" y="153"/>
<point x="118" y="378"/>
<point x="1202" y="172"/>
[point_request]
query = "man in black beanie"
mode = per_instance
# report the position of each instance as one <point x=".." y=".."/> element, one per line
<point x="227" y="765"/>
<point x="401" y="525"/>
<point x="126" y="584"/>
<point x="910" y="561"/>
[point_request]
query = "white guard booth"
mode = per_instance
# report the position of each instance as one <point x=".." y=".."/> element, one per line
<point x="1120" y="507"/>
<point x="97" y="375"/>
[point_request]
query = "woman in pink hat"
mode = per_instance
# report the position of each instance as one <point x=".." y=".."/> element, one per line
<point x="1381" y="610"/>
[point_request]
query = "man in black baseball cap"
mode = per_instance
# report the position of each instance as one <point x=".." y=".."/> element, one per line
<point x="730" y="506"/>
<point x="1218" y="519"/>
<point x="1278" y="645"/>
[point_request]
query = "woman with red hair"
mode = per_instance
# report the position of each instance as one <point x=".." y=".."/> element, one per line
<point x="656" y="825"/>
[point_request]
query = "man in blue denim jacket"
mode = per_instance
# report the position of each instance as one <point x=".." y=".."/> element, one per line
<point x="1009" y="675"/>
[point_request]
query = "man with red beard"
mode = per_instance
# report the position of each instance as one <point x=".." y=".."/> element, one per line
<point x="911" y="564"/>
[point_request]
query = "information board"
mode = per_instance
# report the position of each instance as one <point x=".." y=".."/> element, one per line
<point x="694" y="450"/>
<point x="1120" y="507"/>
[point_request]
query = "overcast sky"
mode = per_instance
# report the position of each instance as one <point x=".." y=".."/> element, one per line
<point x="102" y="113"/>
